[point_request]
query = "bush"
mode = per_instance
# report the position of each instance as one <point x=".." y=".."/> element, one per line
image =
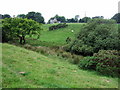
<point x="108" y="62"/>
<point x="58" y="26"/>
<point x="105" y="61"/>
<point x="88" y="63"/>
<point x="79" y="48"/>
<point x="76" y="59"/>
<point x="97" y="34"/>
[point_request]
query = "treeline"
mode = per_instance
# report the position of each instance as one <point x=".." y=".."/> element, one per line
<point x="76" y="19"/>
<point x="36" y="16"/>
<point x="58" y="19"/>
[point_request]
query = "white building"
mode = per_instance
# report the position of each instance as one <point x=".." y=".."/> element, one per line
<point x="52" y="21"/>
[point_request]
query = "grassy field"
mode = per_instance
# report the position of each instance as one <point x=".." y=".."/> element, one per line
<point x="56" y="37"/>
<point x="46" y="72"/>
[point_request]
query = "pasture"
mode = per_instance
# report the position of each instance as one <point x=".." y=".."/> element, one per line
<point x="56" y="37"/>
<point x="48" y="71"/>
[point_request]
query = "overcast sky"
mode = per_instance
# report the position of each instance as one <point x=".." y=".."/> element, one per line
<point x="67" y="8"/>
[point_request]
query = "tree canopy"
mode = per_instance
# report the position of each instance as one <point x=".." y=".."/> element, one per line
<point x="77" y="18"/>
<point x="35" y="16"/>
<point x="6" y="16"/>
<point x="21" y="16"/>
<point x="61" y="19"/>
<point x="72" y="20"/>
<point x="116" y="17"/>
<point x="19" y="28"/>
<point x="96" y="35"/>
<point x="84" y="19"/>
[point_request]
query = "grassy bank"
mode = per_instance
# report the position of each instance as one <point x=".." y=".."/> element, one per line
<point x="43" y="72"/>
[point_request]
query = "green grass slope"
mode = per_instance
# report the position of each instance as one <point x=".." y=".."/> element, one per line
<point x="56" y="37"/>
<point x="46" y="72"/>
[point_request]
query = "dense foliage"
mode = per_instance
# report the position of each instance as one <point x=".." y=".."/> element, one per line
<point x="72" y="20"/>
<point x="21" y="16"/>
<point x="98" y="17"/>
<point x="13" y="28"/>
<point x="97" y="34"/>
<point x="4" y="16"/>
<point x="58" y="26"/>
<point x="61" y="19"/>
<point x="105" y="62"/>
<point x="35" y="16"/>
<point x="84" y="20"/>
<point x="116" y="17"/>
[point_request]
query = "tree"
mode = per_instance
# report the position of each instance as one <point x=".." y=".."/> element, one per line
<point x="0" y="16"/>
<point x="77" y="18"/>
<point x="6" y="16"/>
<point x="97" y="34"/>
<point x="58" y="18"/>
<point x="35" y="16"/>
<point x="72" y="20"/>
<point x="19" y="28"/>
<point x="84" y="20"/>
<point x="21" y="16"/>
<point x="116" y="17"/>
<point x="98" y="17"/>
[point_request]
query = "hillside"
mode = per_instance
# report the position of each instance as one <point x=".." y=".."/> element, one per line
<point x="56" y="37"/>
<point x="46" y="72"/>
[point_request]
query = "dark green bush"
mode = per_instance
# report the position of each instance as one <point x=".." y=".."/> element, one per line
<point x="97" y="34"/>
<point x="79" y="48"/>
<point x="58" y="26"/>
<point x="88" y="63"/>
<point x="108" y="62"/>
<point x="105" y="61"/>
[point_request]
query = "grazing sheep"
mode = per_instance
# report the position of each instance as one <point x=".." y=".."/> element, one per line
<point x="72" y="30"/>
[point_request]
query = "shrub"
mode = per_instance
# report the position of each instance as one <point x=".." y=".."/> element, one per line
<point x="105" y="61"/>
<point x="108" y="62"/>
<point x="76" y="59"/>
<point x="97" y="34"/>
<point x="78" y="47"/>
<point x="58" y="26"/>
<point x="88" y="63"/>
<point x="56" y="51"/>
<point x="68" y="40"/>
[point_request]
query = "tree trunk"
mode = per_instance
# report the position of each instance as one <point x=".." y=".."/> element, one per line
<point x="38" y="36"/>
<point x="23" y="37"/>
<point x="20" y="39"/>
